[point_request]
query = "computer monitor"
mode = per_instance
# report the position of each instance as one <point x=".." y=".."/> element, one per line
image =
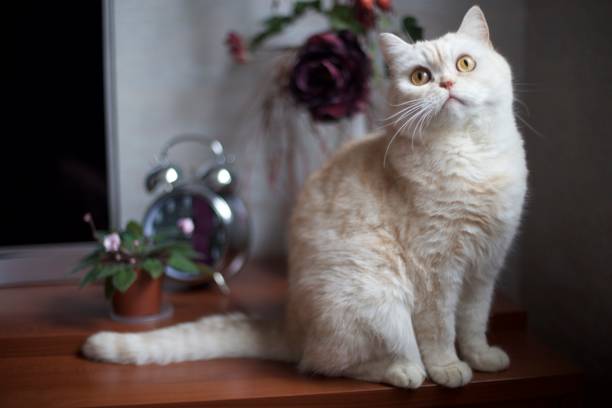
<point x="57" y="140"/>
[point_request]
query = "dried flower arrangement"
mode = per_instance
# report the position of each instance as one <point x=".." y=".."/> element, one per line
<point x="324" y="81"/>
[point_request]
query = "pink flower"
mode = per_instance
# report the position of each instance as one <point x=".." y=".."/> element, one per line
<point x="236" y="46"/>
<point x="185" y="225"/>
<point x="112" y="242"/>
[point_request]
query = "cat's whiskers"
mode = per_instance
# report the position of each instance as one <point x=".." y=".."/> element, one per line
<point x="519" y="102"/>
<point x="406" y="113"/>
<point x="523" y="104"/>
<point x="422" y="123"/>
<point x="401" y="116"/>
<point x="430" y="109"/>
<point x="397" y="132"/>
<point x="409" y="112"/>
<point x="404" y="102"/>
<point x="534" y="130"/>
<point x="526" y="87"/>
<point x="414" y="103"/>
<point x="417" y="114"/>
<point x="525" y="84"/>
<point x="415" y="125"/>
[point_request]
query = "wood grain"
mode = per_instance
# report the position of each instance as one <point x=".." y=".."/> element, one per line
<point x="42" y="328"/>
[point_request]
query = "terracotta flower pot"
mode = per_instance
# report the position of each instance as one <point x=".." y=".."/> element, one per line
<point x="143" y="298"/>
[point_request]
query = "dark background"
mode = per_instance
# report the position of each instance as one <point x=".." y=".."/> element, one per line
<point x="54" y="167"/>
<point x="565" y="246"/>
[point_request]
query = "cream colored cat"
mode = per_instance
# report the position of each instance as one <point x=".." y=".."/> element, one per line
<point x="396" y="243"/>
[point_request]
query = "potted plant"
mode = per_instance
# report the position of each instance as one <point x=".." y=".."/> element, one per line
<point x="132" y="266"/>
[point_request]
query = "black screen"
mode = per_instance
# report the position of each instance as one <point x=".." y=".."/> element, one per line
<point x="54" y="147"/>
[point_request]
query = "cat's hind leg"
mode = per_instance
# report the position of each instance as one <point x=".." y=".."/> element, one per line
<point x="404" y="370"/>
<point x="369" y="337"/>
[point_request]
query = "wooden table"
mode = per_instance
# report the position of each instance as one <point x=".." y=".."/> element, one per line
<point x="42" y="328"/>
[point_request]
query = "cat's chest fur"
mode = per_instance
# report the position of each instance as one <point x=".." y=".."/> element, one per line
<point x="466" y="196"/>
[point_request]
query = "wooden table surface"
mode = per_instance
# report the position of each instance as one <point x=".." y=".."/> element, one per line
<point x="42" y="328"/>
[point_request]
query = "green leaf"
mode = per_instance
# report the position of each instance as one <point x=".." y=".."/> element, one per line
<point x="301" y="6"/>
<point x="127" y="241"/>
<point x="384" y="22"/>
<point x="185" y="249"/>
<point x="342" y="17"/>
<point x="89" y="260"/>
<point x="134" y="229"/>
<point x="154" y="267"/>
<point x="273" y="25"/>
<point x="182" y="263"/>
<point x="411" y="27"/>
<point x="166" y="234"/>
<point x="109" y="270"/>
<point x="159" y="248"/>
<point x="205" y="269"/>
<point x="124" y="278"/>
<point x="89" y="277"/>
<point x="276" y="23"/>
<point x="109" y="289"/>
<point x="100" y="234"/>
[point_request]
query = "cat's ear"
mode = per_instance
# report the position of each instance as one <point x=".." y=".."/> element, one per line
<point x="394" y="49"/>
<point x="475" y="25"/>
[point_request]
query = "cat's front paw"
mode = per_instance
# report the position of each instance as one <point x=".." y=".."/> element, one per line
<point x="488" y="359"/>
<point x="405" y="375"/>
<point x="452" y="375"/>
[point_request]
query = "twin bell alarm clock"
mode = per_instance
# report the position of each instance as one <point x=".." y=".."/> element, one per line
<point x="209" y="199"/>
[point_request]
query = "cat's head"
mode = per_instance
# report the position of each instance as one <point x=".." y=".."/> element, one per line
<point x="448" y="81"/>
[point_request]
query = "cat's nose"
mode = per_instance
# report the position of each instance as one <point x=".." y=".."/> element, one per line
<point x="447" y="84"/>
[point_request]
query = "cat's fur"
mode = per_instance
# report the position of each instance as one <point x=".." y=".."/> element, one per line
<point x="390" y="265"/>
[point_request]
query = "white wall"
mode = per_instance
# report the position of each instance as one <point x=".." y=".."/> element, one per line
<point x="173" y="75"/>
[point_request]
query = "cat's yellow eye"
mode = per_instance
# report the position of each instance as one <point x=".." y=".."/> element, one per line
<point x="466" y="63"/>
<point x="420" y="76"/>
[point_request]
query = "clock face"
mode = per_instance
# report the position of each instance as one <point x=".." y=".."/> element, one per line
<point x="209" y="236"/>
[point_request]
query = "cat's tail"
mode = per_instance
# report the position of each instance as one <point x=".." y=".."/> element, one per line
<point x="233" y="335"/>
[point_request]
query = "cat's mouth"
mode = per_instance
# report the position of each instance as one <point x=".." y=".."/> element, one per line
<point x="453" y="98"/>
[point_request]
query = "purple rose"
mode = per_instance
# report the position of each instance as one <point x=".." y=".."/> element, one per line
<point x="331" y="75"/>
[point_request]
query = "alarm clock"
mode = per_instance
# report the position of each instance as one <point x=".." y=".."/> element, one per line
<point x="209" y="199"/>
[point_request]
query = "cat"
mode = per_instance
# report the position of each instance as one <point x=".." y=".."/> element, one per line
<point x="395" y="244"/>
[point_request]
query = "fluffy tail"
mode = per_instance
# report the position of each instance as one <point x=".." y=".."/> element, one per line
<point x="211" y="337"/>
